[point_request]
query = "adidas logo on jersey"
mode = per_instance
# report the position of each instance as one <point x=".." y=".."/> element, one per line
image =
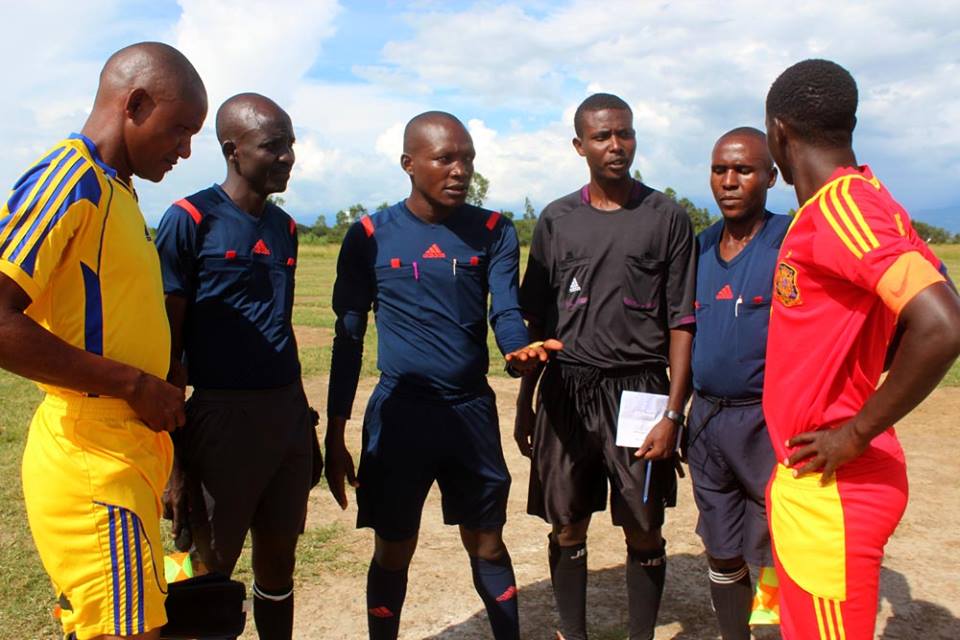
<point x="434" y="252"/>
<point x="261" y="248"/>
<point x="574" y="286"/>
<point x="726" y="293"/>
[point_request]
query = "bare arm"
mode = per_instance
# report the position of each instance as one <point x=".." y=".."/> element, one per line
<point x="29" y="350"/>
<point x="661" y="442"/>
<point x="928" y="347"/>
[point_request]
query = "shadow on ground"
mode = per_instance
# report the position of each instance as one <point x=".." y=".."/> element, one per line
<point x="685" y="613"/>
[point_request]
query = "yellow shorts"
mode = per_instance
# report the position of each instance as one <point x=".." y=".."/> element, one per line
<point x="93" y="475"/>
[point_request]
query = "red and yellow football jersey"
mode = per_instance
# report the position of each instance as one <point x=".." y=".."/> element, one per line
<point x="849" y="263"/>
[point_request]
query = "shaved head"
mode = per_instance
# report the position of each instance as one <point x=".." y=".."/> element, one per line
<point x="754" y="139"/>
<point x="246" y="112"/>
<point x="416" y="131"/>
<point x="157" y="68"/>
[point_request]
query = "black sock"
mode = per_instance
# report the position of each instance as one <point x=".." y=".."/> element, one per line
<point x="497" y="586"/>
<point x="273" y="613"/>
<point x="386" y="591"/>
<point x="568" y="572"/>
<point x="732" y="595"/>
<point x="646" y="572"/>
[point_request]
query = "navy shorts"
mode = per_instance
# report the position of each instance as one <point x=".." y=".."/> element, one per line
<point x="410" y="441"/>
<point x="731" y="459"/>
<point x="575" y="455"/>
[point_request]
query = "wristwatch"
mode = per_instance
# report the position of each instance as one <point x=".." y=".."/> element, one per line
<point x="676" y="416"/>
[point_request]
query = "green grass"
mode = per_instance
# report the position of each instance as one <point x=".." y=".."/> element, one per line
<point x="950" y="254"/>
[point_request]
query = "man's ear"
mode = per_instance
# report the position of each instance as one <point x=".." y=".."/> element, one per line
<point x="229" y="150"/>
<point x="138" y="105"/>
<point x="578" y="145"/>
<point x="406" y="163"/>
<point x="773" y="177"/>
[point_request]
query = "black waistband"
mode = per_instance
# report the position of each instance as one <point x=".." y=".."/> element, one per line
<point x="730" y="402"/>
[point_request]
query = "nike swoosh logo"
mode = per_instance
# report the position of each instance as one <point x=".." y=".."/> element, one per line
<point x="903" y="283"/>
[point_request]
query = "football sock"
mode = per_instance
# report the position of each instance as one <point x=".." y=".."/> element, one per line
<point x="646" y="572"/>
<point x="386" y="591"/>
<point x="273" y="613"/>
<point x="732" y="595"/>
<point x="568" y="572"/>
<point x="497" y="586"/>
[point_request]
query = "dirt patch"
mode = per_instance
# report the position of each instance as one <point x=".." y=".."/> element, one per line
<point x="313" y="336"/>
<point x="920" y="592"/>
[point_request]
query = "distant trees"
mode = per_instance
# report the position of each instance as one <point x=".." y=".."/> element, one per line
<point x="477" y="191"/>
<point x="934" y="235"/>
<point x="699" y="216"/>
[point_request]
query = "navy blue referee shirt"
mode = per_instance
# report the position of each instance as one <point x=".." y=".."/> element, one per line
<point x="428" y="286"/>
<point x="733" y="311"/>
<point x="236" y="271"/>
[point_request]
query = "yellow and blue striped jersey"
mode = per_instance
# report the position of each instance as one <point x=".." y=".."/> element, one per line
<point x="74" y="239"/>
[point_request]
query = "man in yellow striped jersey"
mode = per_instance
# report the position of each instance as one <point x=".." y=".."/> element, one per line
<point x="82" y="313"/>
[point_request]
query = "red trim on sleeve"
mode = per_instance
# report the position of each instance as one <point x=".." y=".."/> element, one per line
<point x="230" y="254"/>
<point x="291" y="262"/>
<point x="492" y="220"/>
<point x="187" y="206"/>
<point x="367" y="225"/>
<point x="394" y="263"/>
<point x="474" y="260"/>
<point x="293" y="227"/>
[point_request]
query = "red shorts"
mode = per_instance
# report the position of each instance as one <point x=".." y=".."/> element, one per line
<point x="828" y="545"/>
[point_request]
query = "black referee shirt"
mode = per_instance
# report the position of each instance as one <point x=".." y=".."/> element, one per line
<point x="611" y="284"/>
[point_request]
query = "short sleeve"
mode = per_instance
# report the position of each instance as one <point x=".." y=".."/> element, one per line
<point x="177" y="246"/>
<point x="536" y="290"/>
<point x="48" y="207"/>
<point x="681" y="287"/>
<point x="864" y="238"/>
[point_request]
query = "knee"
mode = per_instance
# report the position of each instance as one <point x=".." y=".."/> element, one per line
<point x="485" y="544"/>
<point x="642" y="540"/>
<point x="725" y="564"/>
<point x="394" y="556"/>
<point x="569" y="535"/>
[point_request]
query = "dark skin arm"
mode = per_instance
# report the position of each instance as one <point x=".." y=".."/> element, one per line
<point x="929" y="345"/>
<point x="523" y="425"/>
<point x="176" y="313"/>
<point x="29" y="350"/>
<point x="661" y="442"/>
<point x="338" y="466"/>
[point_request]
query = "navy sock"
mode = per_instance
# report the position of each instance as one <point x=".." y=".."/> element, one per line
<point x="273" y="613"/>
<point x="732" y="595"/>
<point x="497" y="586"/>
<point x="568" y="573"/>
<point x="646" y="573"/>
<point x="386" y="591"/>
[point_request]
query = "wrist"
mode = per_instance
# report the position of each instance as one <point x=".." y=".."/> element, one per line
<point x="676" y="417"/>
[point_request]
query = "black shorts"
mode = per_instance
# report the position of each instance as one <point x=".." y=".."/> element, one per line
<point x="575" y="453"/>
<point x="248" y="456"/>
<point x="409" y="441"/>
<point x="731" y="459"/>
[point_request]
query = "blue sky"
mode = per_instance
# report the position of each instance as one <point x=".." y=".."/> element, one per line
<point x="352" y="73"/>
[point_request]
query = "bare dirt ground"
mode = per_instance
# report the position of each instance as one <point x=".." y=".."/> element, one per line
<point x="920" y="592"/>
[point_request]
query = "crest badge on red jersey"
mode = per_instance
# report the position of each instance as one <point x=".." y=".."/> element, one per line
<point x="785" y="285"/>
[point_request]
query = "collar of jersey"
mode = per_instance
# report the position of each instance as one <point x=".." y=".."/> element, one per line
<point x="92" y="148"/>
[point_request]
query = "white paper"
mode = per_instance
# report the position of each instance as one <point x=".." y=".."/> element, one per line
<point x="639" y="413"/>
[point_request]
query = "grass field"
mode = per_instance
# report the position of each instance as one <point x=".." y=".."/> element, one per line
<point x="26" y="598"/>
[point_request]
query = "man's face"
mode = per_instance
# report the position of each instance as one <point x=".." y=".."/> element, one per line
<point x="740" y="174"/>
<point x="263" y="156"/>
<point x="159" y="132"/>
<point x="608" y="142"/>
<point x="440" y="164"/>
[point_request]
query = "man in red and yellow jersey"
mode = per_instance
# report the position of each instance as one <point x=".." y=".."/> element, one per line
<point x="851" y="273"/>
<point x="82" y="313"/>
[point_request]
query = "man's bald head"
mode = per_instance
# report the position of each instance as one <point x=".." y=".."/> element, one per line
<point x="416" y="131"/>
<point x="247" y="112"/>
<point x="754" y="139"/>
<point x="157" y="68"/>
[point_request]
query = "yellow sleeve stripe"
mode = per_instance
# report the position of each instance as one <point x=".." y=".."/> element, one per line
<point x="910" y="274"/>
<point x="29" y="201"/>
<point x="825" y="209"/>
<point x="48" y="220"/>
<point x="845" y="219"/>
<point x="852" y="205"/>
<point x="30" y="225"/>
